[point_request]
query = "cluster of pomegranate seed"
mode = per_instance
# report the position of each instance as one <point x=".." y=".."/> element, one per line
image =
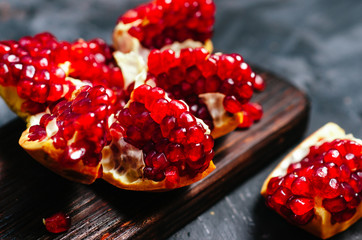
<point x="174" y="143"/>
<point x="163" y="22"/>
<point x="332" y="172"/>
<point x="57" y="223"/>
<point x="195" y="72"/>
<point x="82" y="126"/>
<point x="38" y="66"/>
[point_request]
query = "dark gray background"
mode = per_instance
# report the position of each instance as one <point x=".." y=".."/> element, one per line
<point x="315" y="44"/>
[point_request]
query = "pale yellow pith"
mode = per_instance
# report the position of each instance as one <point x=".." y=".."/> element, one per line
<point x="320" y="225"/>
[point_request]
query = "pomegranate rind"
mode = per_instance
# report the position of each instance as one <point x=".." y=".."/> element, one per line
<point x="320" y="225"/>
<point x="12" y="99"/>
<point x="224" y="122"/>
<point x="150" y="185"/>
<point x="46" y="154"/>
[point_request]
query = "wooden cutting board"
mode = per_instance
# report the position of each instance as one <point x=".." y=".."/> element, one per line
<point x="30" y="192"/>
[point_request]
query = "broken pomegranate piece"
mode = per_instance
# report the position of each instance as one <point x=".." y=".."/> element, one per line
<point x="162" y="144"/>
<point x="163" y="24"/>
<point x="36" y="71"/>
<point x="57" y="223"/>
<point x="217" y="87"/>
<point x="318" y="186"/>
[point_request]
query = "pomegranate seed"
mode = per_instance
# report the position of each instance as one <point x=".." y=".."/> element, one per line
<point x="302" y="186"/>
<point x="301" y="205"/>
<point x="37" y="133"/>
<point x="57" y="223"/>
<point x="172" y="177"/>
<point x="281" y="195"/>
<point x="334" y="205"/>
<point x="274" y="184"/>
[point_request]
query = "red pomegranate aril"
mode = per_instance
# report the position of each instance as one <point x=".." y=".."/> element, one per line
<point x="231" y="104"/>
<point x="159" y="161"/>
<point x="187" y="119"/>
<point x="168" y="123"/>
<point x="333" y="156"/>
<point x="159" y="110"/>
<point x="195" y="135"/>
<point x="140" y="92"/>
<point x="117" y="131"/>
<point x="254" y="110"/>
<point x="57" y="223"/>
<point x="355" y="183"/>
<point x="294" y="166"/>
<point x="75" y="153"/>
<point x="136" y="108"/>
<point x="37" y="133"/>
<point x="281" y="195"/>
<point x="259" y="83"/>
<point x="343" y="215"/>
<point x="303" y="219"/>
<point x="347" y="191"/>
<point x="175" y="152"/>
<point x="289" y="179"/>
<point x="177" y="107"/>
<point x="247" y="121"/>
<point x="356" y="200"/>
<point x="208" y="142"/>
<point x="331" y="190"/>
<point x="302" y="186"/>
<point x="172" y="177"/>
<point x="28" y="71"/>
<point x="301" y="205"/>
<point x="334" y="205"/>
<point x="24" y="88"/>
<point x="274" y="184"/>
<point x="178" y="135"/>
<point x="4" y="48"/>
<point x="125" y="117"/>
<point x="195" y="151"/>
<point x="351" y="162"/>
<point x="354" y="148"/>
<point x="345" y="173"/>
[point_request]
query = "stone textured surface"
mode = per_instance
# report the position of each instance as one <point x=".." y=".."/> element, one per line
<point x="315" y="44"/>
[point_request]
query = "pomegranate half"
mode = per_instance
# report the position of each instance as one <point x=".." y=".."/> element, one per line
<point x="318" y="186"/>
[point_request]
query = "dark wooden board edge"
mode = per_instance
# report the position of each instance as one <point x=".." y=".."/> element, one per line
<point x="101" y="209"/>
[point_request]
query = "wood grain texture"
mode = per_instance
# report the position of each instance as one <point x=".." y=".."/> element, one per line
<point x="29" y="192"/>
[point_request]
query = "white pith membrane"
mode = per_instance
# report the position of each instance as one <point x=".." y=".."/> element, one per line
<point x="320" y="225"/>
<point x="126" y="43"/>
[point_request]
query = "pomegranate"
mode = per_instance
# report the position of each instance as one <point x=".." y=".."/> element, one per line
<point x="37" y="71"/>
<point x="318" y="186"/>
<point x="162" y="144"/>
<point x="163" y="24"/>
<point x="217" y="87"/>
<point x="153" y="143"/>
<point x="57" y="223"/>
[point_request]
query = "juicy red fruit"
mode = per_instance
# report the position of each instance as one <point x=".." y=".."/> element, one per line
<point x="174" y="143"/>
<point x="164" y="22"/>
<point x="331" y="171"/>
<point x="39" y="66"/>
<point x="196" y="72"/>
<point x="82" y="126"/>
<point x="57" y="223"/>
